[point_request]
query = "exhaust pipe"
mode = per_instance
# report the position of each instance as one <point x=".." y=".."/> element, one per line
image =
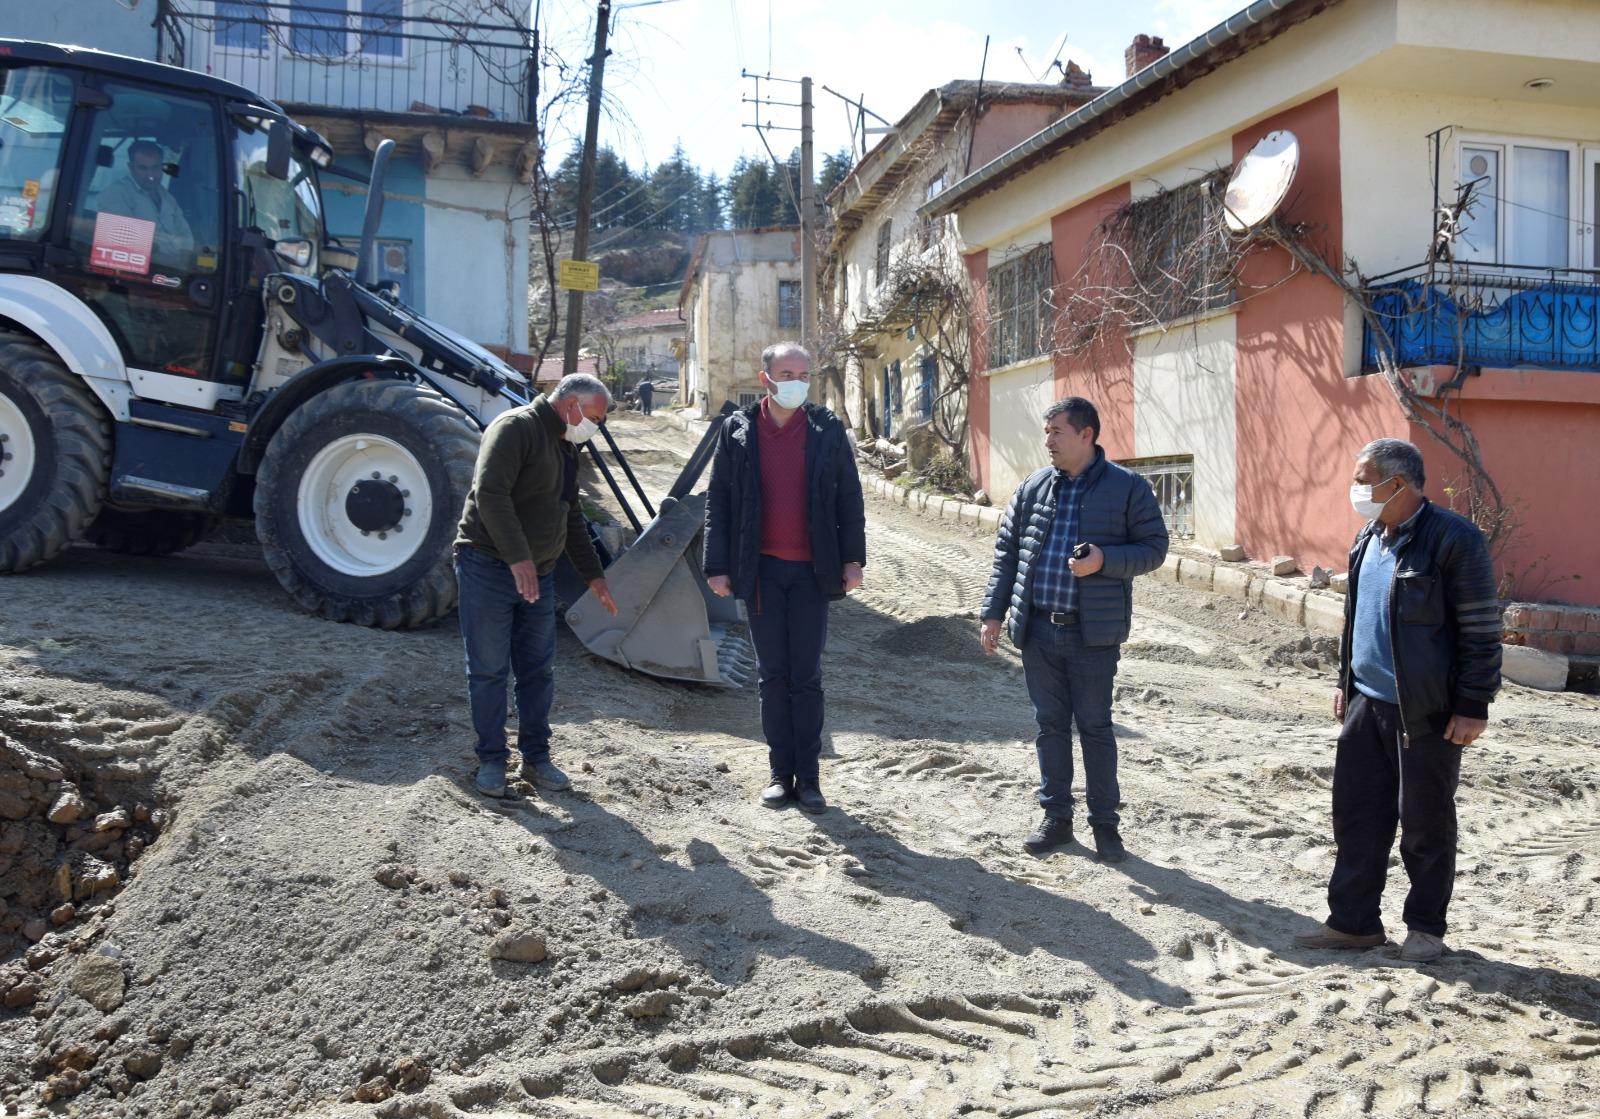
<point x="367" y="265"/>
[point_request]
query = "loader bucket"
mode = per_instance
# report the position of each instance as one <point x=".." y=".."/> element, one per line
<point x="668" y="623"/>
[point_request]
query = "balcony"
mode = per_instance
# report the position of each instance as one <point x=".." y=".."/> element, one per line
<point x="1490" y="316"/>
<point x="393" y="57"/>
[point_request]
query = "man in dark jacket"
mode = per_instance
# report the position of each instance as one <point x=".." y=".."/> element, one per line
<point x="1072" y="540"/>
<point x="1419" y="667"/>
<point x="786" y="533"/>
<point x="521" y="515"/>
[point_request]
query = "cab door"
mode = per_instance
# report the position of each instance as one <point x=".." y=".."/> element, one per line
<point x="142" y="243"/>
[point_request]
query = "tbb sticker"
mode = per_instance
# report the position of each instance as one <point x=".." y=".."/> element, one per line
<point x="122" y="244"/>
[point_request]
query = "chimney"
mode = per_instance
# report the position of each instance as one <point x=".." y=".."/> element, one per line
<point x="1076" y="78"/>
<point x="1144" y="50"/>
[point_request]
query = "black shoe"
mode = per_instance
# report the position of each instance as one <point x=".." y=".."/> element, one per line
<point x="808" y="794"/>
<point x="1052" y="832"/>
<point x="777" y="794"/>
<point x="1108" y="846"/>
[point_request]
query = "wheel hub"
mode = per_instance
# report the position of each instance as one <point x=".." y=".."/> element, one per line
<point x="374" y="505"/>
<point x="364" y="504"/>
<point x="17" y="452"/>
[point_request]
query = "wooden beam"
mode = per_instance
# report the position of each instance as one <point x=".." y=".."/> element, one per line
<point x="432" y="151"/>
<point x="482" y="155"/>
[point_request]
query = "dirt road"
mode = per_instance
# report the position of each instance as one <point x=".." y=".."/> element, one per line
<point x="312" y="930"/>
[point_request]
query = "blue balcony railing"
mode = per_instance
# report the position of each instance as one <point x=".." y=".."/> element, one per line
<point x="1500" y="316"/>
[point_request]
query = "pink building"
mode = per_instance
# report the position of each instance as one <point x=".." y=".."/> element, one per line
<point x="1245" y="406"/>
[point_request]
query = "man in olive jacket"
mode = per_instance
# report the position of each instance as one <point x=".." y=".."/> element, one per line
<point x="1418" y="668"/>
<point x="521" y="515"/>
<point x="1072" y="540"/>
<point x="786" y="533"/>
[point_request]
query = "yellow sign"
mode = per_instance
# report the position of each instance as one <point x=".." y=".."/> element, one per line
<point x="580" y="275"/>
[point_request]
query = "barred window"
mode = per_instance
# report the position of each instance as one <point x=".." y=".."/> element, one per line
<point x="1172" y="479"/>
<point x="1180" y="251"/>
<point x="1021" y="307"/>
<point x="788" y="304"/>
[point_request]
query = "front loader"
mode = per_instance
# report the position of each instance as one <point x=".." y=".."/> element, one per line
<point x="191" y="345"/>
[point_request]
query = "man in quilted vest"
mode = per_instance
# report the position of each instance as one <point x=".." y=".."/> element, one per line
<point x="1073" y="537"/>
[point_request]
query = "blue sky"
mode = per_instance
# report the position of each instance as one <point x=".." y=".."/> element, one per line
<point x="675" y="66"/>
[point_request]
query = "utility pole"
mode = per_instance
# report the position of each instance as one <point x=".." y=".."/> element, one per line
<point x="808" y="224"/>
<point x="580" y="232"/>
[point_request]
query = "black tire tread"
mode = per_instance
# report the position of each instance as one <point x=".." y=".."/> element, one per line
<point x="83" y="433"/>
<point x="447" y="429"/>
<point x="151" y="532"/>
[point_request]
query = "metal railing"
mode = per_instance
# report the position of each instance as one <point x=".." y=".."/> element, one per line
<point x="400" y="56"/>
<point x="1497" y="315"/>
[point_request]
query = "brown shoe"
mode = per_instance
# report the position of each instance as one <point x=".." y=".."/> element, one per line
<point x="1324" y="937"/>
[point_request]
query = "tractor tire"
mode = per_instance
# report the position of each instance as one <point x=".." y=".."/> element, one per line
<point x="55" y="454"/>
<point x="150" y="532"/>
<point x="357" y="500"/>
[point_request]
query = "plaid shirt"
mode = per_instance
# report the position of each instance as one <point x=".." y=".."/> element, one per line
<point x="1055" y="587"/>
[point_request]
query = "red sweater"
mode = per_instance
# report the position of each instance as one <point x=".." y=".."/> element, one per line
<point x="784" y="531"/>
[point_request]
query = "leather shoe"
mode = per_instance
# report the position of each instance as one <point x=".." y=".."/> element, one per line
<point x="545" y="775"/>
<point x="1108" y="846"/>
<point x="1052" y="832"/>
<point x="777" y="794"/>
<point x="1421" y="947"/>
<point x="1324" y="937"/>
<point x="491" y="779"/>
<point x="808" y="795"/>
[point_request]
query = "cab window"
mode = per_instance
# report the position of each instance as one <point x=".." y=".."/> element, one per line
<point x="35" y="104"/>
<point x="278" y="209"/>
<point x="148" y="199"/>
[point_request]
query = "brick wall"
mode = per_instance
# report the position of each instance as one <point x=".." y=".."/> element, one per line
<point x="1557" y="629"/>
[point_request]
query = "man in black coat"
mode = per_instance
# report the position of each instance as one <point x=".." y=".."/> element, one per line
<point x="1418" y="668"/>
<point x="1072" y="540"/>
<point x="786" y="533"/>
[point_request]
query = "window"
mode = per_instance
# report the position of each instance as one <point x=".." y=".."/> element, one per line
<point x="884" y="235"/>
<point x="1525" y="205"/>
<point x="239" y="25"/>
<point x="1191" y="269"/>
<point x="318" y="28"/>
<point x="931" y="226"/>
<point x="35" y="102"/>
<point x="1021" y="307"/>
<point x="1172" y="480"/>
<point x="747" y="398"/>
<point x="788" y="304"/>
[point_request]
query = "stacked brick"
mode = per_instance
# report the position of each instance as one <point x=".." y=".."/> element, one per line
<point x="1570" y="630"/>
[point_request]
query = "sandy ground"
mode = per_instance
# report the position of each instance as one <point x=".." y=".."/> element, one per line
<point x="318" y="913"/>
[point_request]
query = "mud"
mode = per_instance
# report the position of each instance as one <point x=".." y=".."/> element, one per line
<point x="332" y="923"/>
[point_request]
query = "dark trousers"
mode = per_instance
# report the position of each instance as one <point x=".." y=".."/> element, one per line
<point x="789" y="627"/>
<point x="646" y="401"/>
<point x="1377" y="783"/>
<point x="504" y="636"/>
<point x="1070" y="682"/>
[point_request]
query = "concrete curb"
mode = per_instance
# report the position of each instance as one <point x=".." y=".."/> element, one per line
<point x="1320" y="612"/>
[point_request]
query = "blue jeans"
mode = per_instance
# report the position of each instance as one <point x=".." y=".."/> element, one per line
<point x="1069" y="682"/>
<point x="503" y="635"/>
<point x="789" y="627"/>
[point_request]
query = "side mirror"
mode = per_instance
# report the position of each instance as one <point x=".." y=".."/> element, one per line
<point x="280" y="149"/>
<point x="297" y="253"/>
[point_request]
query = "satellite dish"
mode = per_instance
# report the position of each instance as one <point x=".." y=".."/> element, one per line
<point x="1261" y="180"/>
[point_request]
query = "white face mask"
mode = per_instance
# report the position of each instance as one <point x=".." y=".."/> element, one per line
<point x="582" y="431"/>
<point x="1361" y="501"/>
<point x="790" y="394"/>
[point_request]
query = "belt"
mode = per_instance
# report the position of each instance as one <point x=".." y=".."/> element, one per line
<point x="1057" y="617"/>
